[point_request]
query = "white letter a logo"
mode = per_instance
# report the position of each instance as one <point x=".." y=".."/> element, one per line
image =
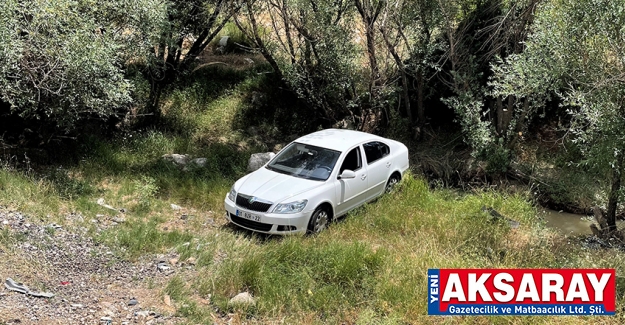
<point x="453" y="288"/>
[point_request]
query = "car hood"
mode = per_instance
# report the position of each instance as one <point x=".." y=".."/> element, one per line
<point x="274" y="187"/>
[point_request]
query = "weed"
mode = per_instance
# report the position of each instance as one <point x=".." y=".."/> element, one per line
<point x="9" y="238"/>
<point x="146" y="190"/>
<point x="50" y="231"/>
<point x="138" y="238"/>
<point x="176" y="288"/>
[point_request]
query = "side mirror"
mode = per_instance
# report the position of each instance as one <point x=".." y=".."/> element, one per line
<point x="347" y="174"/>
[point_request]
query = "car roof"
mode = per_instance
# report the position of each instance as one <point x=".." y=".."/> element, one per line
<point x="337" y="139"/>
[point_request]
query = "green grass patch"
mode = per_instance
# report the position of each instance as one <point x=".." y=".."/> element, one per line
<point x="140" y="238"/>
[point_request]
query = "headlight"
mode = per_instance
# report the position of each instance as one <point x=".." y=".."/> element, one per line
<point x="232" y="195"/>
<point x="291" y="207"/>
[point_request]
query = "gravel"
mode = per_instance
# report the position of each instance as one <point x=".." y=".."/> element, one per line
<point x="92" y="285"/>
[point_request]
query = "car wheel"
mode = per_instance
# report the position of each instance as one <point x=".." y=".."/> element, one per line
<point x="392" y="182"/>
<point x="318" y="221"/>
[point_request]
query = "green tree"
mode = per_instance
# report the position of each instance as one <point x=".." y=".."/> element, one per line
<point x="410" y="30"/>
<point x="479" y="33"/>
<point x="63" y="61"/>
<point x="309" y="44"/>
<point x="189" y="27"/>
<point x="577" y="50"/>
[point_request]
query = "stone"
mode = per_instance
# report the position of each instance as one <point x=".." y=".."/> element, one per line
<point x="119" y="219"/>
<point x="258" y="160"/>
<point x="177" y="159"/>
<point x="224" y="40"/>
<point x="175" y="207"/>
<point x="143" y="313"/>
<point x="132" y="302"/>
<point x="199" y="162"/>
<point x="243" y="299"/>
<point x="167" y="300"/>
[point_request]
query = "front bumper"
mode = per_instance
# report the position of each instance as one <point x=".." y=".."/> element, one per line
<point x="270" y="223"/>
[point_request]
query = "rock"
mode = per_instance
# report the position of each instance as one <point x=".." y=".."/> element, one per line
<point x="199" y="162"/>
<point x="173" y="261"/>
<point x="243" y="299"/>
<point x="191" y="260"/>
<point x="132" y="302"/>
<point x="175" y="207"/>
<point x="498" y="216"/>
<point x="258" y="160"/>
<point x="224" y="40"/>
<point x="167" y="300"/>
<point x="177" y="159"/>
<point x="106" y="320"/>
<point x="143" y="313"/>
<point x="77" y="306"/>
<point x="101" y="202"/>
<point x="54" y="226"/>
<point x="119" y="219"/>
<point x="195" y="164"/>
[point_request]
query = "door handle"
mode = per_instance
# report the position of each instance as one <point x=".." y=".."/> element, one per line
<point x="388" y="164"/>
<point x="363" y="177"/>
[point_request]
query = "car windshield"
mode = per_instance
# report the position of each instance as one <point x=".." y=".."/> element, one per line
<point x="305" y="161"/>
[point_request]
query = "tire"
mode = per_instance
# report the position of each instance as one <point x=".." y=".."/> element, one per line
<point x="319" y="221"/>
<point x="390" y="185"/>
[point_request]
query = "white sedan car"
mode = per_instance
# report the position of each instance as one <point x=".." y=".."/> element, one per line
<point x="314" y="179"/>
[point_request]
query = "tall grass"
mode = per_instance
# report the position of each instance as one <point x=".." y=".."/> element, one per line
<point x="371" y="266"/>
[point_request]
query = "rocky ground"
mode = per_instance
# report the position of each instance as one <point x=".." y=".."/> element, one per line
<point x="90" y="283"/>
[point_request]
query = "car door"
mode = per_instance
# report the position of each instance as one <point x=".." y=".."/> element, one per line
<point x="351" y="192"/>
<point x="377" y="156"/>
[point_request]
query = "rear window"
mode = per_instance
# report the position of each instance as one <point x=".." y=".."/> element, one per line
<point x="375" y="151"/>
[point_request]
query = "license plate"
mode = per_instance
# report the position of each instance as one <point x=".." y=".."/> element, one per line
<point x="248" y="215"/>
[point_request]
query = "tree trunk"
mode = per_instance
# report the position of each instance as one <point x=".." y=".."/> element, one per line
<point x="369" y="14"/>
<point x="614" y="191"/>
<point x="405" y="96"/>
<point x="260" y="43"/>
<point x="499" y="117"/>
<point x="420" y="99"/>
<point x="375" y="72"/>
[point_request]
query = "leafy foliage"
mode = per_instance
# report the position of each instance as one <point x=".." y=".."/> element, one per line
<point x="63" y="61"/>
<point x="578" y="51"/>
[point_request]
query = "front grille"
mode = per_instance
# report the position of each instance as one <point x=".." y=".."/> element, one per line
<point x="250" y="224"/>
<point x="244" y="202"/>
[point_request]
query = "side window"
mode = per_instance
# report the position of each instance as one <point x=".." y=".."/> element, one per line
<point x="352" y="161"/>
<point x="375" y="150"/>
